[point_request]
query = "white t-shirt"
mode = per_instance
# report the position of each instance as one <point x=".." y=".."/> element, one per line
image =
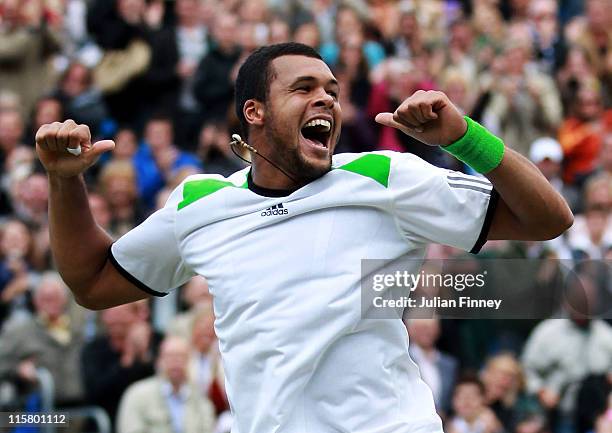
<point x="285" y="276"/>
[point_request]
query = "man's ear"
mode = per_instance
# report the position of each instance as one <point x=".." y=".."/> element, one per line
<point x="254" y="112"/>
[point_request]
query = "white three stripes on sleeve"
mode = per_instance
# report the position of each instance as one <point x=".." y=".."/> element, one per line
<point x="464" y="181"/>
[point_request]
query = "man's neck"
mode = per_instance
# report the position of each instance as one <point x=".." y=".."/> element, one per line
<point x="270" y="180"/>
<point x="267" y="175"/>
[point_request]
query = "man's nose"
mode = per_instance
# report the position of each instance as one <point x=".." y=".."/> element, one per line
<point x="324" y="99"/>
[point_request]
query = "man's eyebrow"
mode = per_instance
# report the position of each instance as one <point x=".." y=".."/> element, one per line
<point x="310" y="78"/>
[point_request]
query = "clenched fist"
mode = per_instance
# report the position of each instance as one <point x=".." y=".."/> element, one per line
<point x="53" y="140"/>
<point x="428" y="116"/>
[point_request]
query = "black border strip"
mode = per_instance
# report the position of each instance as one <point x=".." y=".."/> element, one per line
<point x="267" y="192"/>
<point x="486" y="225"/>
<point x="132" y="279"/>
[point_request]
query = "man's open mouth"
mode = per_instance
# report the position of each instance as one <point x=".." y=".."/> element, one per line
<point x="317" y="131"/>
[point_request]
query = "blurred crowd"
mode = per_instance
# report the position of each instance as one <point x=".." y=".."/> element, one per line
<point x="157" y="77"/>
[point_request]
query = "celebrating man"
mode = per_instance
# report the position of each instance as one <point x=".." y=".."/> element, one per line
<point x="281" y="243"/>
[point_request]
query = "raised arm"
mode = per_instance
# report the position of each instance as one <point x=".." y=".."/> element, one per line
<point x="79" y="245"/>
<point x="529" y="207"/>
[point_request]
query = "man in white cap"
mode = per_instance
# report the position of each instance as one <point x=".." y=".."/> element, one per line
<point x="546" y="153"/>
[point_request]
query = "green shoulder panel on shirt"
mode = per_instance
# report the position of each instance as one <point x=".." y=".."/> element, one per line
<point x="197" y="189"/>
<point x="372" y="165"/>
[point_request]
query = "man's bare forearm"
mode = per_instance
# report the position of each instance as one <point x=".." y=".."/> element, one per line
<point x="527" y="196"/>
<point x="78" y="244"/>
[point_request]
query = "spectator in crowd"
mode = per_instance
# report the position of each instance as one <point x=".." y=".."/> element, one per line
<point x="505" y="394"/>
<point x="100" y="209"/>
<point x="279" y="31"/>
<point x="354" y="69"/>
<point x="123" y="86"/>
<point x="323" y="13"/>
<point x="48" y="341"/>
<point x="176" y="50"/>
<point x="215" y="152"/>
<point x="196" y="297"/>
<point x="554" y="371"/>
<point x="594" y="398"/>
<point x="549" y="45"/>
<point x="350" y="23"/>
<point x="16" y="248"/>
<point x="30" y="199"/>
<point x="592" y="31"/>
<point x="358" y="132"/>
<point x="438" y="369"/>
<point x="26" y="39"/>
<point x="490" y="30"/>
<point x="11" y="133"/>
<point x="525" y="103"/>
<point x="166" y="402"/>
<point x="408" y="42"/>
<point x="605" y="157"/>
<point x="158" y="158"/>
<point x="76" y="42"/>
<point x="471" y="413"/>
<point x="80" y="100"/>
<point x="192" y="41"/>
<point x="123" y="355"/>
<point x="213" y="83"/>
<point x="591" y="235"/>
<point x="48" y="109"/>
<point x="17" y="162"/>
<point x="307" y="33"/>
<point x="581" y="132"/>
<point x="576" y="67"/>
<point x="118" y="185"/>
<point x="205" y="368"/>
<point x="546" y="153"/>
<point x="126" y="144"/>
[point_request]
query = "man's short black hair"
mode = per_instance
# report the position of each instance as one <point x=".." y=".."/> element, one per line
<point x="470" y="378"/>
<point x="255" y="74"/>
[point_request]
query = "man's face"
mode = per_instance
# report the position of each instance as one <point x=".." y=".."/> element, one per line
<point x="424" y="332"/>
<point x="467" y="401"/>
<point x="225" y="30"/>
<point x="48" y="111"/>
<point x="50" y="300"/>
<point x="174" y="360"/>
<point x="118" y="320"/>
<point x="159" y="135"/>
<point x="588" y="104"/>
<point x="549" y="168"/>
<point x="11" y="130"/>
<point x="302" y="116"/>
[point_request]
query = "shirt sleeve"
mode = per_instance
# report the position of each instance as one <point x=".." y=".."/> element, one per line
<point x="432" y="204"/>
<point x="149" y="255"/>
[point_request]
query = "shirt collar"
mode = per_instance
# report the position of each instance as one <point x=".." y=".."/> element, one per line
<point x="267" y="192"/>
<point x="167" y="390"/>
<point x="420" y="354"/>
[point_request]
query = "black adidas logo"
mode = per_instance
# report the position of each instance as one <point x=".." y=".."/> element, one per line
<point x="277" y="209"/>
